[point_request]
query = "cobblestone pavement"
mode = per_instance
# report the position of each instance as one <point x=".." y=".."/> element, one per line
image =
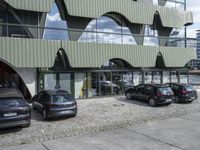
<point x="94" y="115"/>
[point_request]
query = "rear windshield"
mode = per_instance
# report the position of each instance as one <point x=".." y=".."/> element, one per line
<point x="189" y="88"/>
<point x="165" y="90"/>
<point x="62" y="98"/>
<point x="12" y="102"/>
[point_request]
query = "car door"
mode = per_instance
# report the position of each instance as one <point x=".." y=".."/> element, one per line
<point x="148" y="92"/>
<point x="139" y="92"/>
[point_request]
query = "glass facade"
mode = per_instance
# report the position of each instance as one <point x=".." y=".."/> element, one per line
<point x="101" y="30"/>
<point x="106" y="83"/>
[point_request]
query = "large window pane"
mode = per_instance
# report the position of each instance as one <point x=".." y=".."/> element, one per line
<point x="148" y="77"/>
<point x="174" y="76"/>
<point x="183" y="77"/>
<point x="50" y="81"/>
<point x="166" y="77"/>
<point x="80" y="85"/>
<point x="137" y="78"/>
<point x="65" y="81"/>
<point x="157" y="77"/>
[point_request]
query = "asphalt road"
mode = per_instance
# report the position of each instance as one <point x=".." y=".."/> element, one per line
<point x="182" y="133"/>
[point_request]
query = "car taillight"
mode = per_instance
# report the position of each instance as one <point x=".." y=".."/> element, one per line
<point x="184" y="92"/>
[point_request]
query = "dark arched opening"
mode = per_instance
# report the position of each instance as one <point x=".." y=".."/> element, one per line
<point x="61" y="61"/>
<point x="117" y="63"/>
<point x="9" y="77"/>
<point x="160" y="61"/>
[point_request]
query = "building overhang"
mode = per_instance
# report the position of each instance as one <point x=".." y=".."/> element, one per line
<point x="35" y="53"/>
<point x="135" y="12"/>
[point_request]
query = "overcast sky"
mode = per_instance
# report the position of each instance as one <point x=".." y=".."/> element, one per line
<point x="194" y="6"/>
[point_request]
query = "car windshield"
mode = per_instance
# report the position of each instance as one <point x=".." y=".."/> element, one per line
<point x="189" y="88"/>
<point x="165" y="90"/>
<point x="11" y="102"/>
<point x="62" y="98"/>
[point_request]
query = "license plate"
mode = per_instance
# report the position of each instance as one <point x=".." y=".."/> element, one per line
<point x="192" y="97"/>
<point x="9" y="114"/>
<point x="169" y="100"/>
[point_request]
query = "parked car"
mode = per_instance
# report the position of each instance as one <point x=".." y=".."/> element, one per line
<point x="183" y="92"/>
<point x="151" y="93"/>
<point x="54" y="104"/>
<point x="14" y="110"/>
<point x="107" y="86"/>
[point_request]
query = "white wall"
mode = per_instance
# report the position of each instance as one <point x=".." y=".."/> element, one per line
<point x="29" y="76"/>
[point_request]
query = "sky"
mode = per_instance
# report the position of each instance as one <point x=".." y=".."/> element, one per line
<point x="194" y="6"/>
<point x="53" y="19"/>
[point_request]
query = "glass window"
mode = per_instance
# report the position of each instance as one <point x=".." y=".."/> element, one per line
<point x="156" y="77"/>
<point x="50" y="81"/>
<point x="127" y="81"/>
<point x="183" y="77"/>
<point x="105" y="83"/>
<point x="65" y="81"/>
<point x="137" y="78"/>
<point x="117" y="83"/>
<point x="166" y="77"/>
<point x="93" y="84"/>
<point x="174" y="76"/>
<point x="80" y="85"/>
<point x="54" y="20"/>
<point x="148" y="77"/>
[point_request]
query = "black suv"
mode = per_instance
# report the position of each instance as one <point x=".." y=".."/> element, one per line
<point x="183" y="92"/>
<point x="14" y="110"/>
<point x="151" y="93"/>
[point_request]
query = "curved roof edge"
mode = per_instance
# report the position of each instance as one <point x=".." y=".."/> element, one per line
<point x="135" y="12"/>
<point x="32" y="5"/>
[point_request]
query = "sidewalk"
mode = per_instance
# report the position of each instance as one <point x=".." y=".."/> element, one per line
<point x="182" y="133"/>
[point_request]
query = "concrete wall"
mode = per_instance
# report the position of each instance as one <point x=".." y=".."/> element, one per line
<point x="29" y="77"/>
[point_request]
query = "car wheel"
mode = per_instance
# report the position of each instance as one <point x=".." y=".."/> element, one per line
<point x="28" y="124"/>
<point x="152" y="102"/>
<point x="128" y="95"/>
<point x="44" y="112"/>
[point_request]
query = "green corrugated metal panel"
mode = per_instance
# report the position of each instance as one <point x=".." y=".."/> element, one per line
<point x="177" y="57"/>
<point x="172" y="17"/>
<point x="135" y="12"/>
<point x="33" y="5"/>
<point x="94" y="55"/>
<point x="31" y="53"/>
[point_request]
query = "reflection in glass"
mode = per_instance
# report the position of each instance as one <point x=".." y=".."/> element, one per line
<point x="148" y="77"/>
<point x="65" y="81"/>
<point x="50" y="81"/>
<point x="137" y="78"/>
<point x="54" y="20"/>
<point x="183" y="77"/>
<point x="166" y="77"/>
<point x="157" y="77"/>
<point x="80" y="85"/>
<point x="174" y="76"/>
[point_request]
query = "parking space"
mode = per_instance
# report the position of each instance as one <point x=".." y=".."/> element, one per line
<point x="94" y="115"/>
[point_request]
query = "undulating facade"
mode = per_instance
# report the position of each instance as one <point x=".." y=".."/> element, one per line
<point x="93" y="48"/>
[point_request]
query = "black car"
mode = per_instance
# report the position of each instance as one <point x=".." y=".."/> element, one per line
<point x="14" y="110"/>
<point x="183" y="92"/>
<point x="54" y="104"/>
<point x="151" y="93"/>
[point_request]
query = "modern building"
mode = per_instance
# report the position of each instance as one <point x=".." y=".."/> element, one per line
<point x="196" y="63"/>
<point x="92" y="48"/>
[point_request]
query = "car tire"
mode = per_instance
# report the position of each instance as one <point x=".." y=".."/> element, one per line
<point x="28" y="124"/>
<point x="152" y="102"/>
<point x="128" y="95"/>
<point x="44" y="114"/>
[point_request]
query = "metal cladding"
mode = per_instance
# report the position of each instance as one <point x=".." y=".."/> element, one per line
<point x="135" y="12"/>
<point x="32" y="5"/>
<point x="34" y="53"/>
